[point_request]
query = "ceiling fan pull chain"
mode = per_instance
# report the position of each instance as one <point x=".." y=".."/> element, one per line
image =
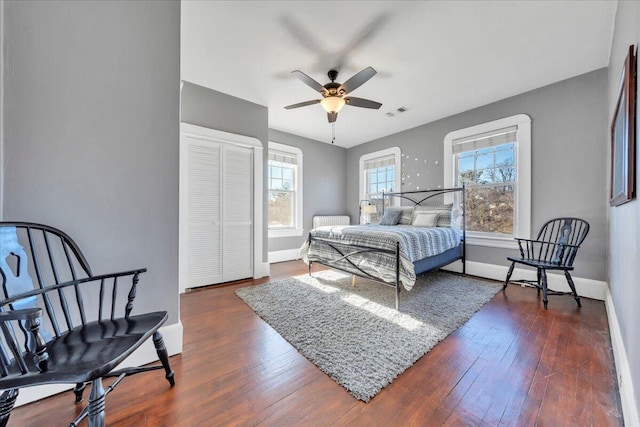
<point x="333" y="132"/>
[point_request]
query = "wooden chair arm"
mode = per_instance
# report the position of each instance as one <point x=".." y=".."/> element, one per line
<point x="46" y="289"/>
<point x="545" y="251"/>
<point x="22" y="314"/>
<point x="519" y="240"/>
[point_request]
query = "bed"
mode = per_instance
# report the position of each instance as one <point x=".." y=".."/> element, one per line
<point x="430" y="234"/>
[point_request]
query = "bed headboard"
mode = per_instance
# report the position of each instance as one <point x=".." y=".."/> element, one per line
<point x="456" y="196"/>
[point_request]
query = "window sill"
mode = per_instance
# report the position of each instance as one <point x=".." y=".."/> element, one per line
<point x="494" y="242"/>
<point x="286" y="232"/>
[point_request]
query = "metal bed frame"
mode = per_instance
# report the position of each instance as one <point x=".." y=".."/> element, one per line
<point x="346" y="251"/>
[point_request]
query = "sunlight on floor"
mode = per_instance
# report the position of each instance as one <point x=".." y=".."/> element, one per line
<point x="386" y="313"/>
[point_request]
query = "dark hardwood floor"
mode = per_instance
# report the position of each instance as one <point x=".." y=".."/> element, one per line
<point x="512" y="364"/>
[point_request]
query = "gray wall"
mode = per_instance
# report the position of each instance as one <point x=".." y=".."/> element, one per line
<point x="324" y="176"/>
<point x="624" y="229"/>
<point x="91" y="112"/>
<point x="569" y="133"/>
<point x="215" y="110"/>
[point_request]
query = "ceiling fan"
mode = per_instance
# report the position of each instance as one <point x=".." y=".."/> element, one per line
<point x="334" y="94"/>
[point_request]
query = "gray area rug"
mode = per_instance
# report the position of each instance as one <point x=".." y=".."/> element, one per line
<point x="355" y="335"/>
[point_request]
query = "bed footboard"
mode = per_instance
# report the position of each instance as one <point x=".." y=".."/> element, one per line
<point x="345" y="263"/>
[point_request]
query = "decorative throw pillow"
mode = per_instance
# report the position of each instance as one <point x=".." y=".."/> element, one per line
<point x="406" y="214"/>
<point x="444" y="214"/>
<point x="425" y="219"/>
<point x="444" y="219"/>
<point x="391" y="217"/>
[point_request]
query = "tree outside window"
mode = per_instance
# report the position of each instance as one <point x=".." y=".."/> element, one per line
<point x="493" y="160"/>
<point x="284" y="190"/>
<point x="489" y="175"/>
<point x="281" y="196"/>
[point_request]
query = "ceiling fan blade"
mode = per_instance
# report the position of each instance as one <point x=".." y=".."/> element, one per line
<point x="302" y="104"/>
<point x="358" y="80"/>
<point x="364" y="103"/>
<point x="308" y="81"/>
<point x="332" y="117"/>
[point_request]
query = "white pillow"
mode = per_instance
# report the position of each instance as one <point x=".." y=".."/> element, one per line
<point x="444" y="217"/>
<point x="425" y="218"/>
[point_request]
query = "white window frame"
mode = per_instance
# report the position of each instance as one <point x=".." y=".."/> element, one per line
<point x="297" y="229"/>
<point x="522" y="220"/>
<point x="395" y="151"/>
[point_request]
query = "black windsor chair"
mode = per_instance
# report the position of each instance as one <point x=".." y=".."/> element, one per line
<point x="47" y="333"/>
<point x="554" y="248"/>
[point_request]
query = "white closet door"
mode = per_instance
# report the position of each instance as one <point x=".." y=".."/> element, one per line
<point x="204" y="189"/>
<point x="237" y="213"/>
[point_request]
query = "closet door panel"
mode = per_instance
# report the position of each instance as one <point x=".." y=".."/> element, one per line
<point x="204" y="225"/>
<point x="237" y="213"/>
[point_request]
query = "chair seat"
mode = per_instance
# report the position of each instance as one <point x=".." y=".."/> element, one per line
<point x="540" y="264"/>
<point x="88" y="352"/>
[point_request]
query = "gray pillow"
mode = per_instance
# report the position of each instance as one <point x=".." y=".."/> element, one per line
<point x="406" y="214"/>
<point x="391" y="217"/>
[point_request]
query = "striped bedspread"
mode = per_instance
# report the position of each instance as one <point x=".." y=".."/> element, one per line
<point x="416" y="243"/>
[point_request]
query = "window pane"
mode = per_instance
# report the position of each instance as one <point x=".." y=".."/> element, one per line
<point x="484" y="160"/>
<point x="276" y="171"/>
<point x="391" y="175"/>
<point x="468" y="177"/>
<point x="504" y="174"/>
<point x="287" y="173"/>
<point x="280" y="209"/>
<point x="465" y="163"/>
<point x="505" y="157"/>
<point x="490" y="209"/>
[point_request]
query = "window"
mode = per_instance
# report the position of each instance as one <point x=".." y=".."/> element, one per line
<point x="493" y="160"/>
<point x="284" y="182"/>
<point x="379" y="172"/>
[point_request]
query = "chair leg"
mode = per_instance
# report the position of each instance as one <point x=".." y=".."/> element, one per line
<point x="543" y="276"/>
<point x="573" y="288"/>
<point x="158" y="342"/>
<point x="96" y="404"/>
<point x="7" y="400"/>
<point x="78" y="390"/>
<point x="539" y="273"/>
<point x="509" y="273"/>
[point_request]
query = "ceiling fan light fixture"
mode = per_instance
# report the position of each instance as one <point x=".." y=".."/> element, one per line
<point x="332" y="104"/>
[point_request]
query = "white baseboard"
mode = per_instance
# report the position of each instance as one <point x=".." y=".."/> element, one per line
<point x="171" y="334"/>
<point x="588" y="288"/>
<point x="625" y="385"/>
<point x="286" y="255"/>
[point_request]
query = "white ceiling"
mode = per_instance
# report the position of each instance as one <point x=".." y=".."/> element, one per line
<point x="436" y="58"/>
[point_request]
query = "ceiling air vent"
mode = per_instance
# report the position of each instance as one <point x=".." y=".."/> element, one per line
<point x="397" y="111"/>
